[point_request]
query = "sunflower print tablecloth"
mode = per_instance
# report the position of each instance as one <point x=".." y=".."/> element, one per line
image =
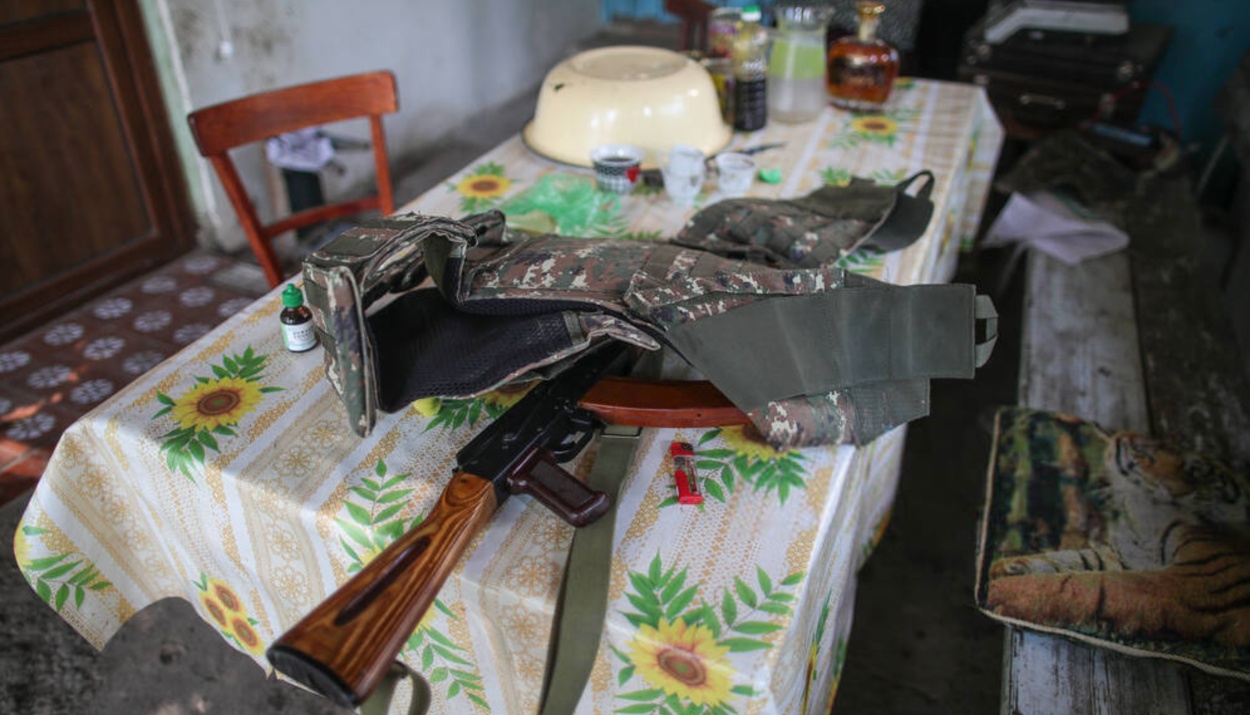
<point x="227" y="476"/>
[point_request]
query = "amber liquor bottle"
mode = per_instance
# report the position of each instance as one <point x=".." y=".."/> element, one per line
<point x="862" y="69"/>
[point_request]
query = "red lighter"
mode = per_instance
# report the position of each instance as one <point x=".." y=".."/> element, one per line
<point x="683" y="473"/>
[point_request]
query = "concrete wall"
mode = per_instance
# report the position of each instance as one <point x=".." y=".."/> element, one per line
<point x="453" y="60"/>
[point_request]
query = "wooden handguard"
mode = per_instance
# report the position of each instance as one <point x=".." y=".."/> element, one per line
<point x="660" y="403"/>
<point x="344" y="647"/>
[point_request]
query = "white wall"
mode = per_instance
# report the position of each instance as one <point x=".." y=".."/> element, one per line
<point x="452" y="60"/>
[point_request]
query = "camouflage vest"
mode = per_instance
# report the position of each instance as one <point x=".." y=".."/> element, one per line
<point x="747" y="294"/>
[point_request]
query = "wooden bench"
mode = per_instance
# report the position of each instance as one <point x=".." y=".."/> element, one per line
<point x="1134" y="340"/>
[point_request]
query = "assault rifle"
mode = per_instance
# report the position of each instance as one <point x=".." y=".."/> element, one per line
<point x="344" y="647"/>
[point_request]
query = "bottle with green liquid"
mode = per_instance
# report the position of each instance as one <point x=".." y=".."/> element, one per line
<point x="796" y="67"/>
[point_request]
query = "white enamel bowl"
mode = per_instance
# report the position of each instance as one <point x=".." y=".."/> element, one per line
<point x="645" y="96"/>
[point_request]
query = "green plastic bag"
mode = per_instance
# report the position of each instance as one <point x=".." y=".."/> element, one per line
<point x="564" y="204"/>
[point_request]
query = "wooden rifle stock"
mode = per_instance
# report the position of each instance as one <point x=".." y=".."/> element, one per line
<point x="344" y="647"/>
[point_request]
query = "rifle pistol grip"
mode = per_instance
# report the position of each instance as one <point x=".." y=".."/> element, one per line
<point x="542" y="478"/>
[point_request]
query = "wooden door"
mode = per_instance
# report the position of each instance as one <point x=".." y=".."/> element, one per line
<point x="90" y="189"/>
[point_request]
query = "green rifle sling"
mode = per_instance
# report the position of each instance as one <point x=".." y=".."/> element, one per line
<point x="579" y="621"/>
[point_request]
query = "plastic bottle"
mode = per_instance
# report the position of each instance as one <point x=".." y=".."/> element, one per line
<point x="297" y="326"/>
<point x="750" y="58"/>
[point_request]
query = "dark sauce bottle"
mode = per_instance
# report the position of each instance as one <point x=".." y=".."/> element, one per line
<point x="750" y="61"/>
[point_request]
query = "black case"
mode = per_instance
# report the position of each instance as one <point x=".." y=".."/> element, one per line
<point x="1101" y="61"/>
<point x="1045" y="80"/>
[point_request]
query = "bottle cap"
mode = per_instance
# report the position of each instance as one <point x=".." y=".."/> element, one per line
<point x="751" y="13"/>
<point x="292" y="297"/>
<point x="870" y="7"/>
<point x="770" y="176"/>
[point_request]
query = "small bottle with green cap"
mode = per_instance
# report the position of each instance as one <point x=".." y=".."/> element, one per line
<point x="297" y="326"/>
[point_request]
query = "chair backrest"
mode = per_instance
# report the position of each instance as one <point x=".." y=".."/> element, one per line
<point x="693" y="15"/>
<point x="221" y="127"/>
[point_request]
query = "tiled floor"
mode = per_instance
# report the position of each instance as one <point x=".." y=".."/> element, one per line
<point x="56" y="373"/>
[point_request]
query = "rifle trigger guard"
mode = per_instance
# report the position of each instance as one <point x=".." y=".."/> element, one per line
<point x="573" y="443"/>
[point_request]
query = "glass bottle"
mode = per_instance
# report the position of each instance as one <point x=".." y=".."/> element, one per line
<point x="862" y="69"/>
<point x="750" y="58"/>
<point x="296" y="318"/>
<point x="796" y="65"/>
<point x="722" y="26"/>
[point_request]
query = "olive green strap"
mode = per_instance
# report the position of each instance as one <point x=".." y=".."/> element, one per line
<point x="380" y="702"/>
<point x="579" y="621"/>
<point x="909" y="218"/>
<point x="835" y="339"/>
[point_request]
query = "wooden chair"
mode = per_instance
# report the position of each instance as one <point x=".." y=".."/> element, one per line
<point x="221" y="127"/>
<point x="693" y="15"/>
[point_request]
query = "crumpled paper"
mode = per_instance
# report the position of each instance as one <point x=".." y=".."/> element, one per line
<point x="302" y="150"/>
<point x="1057" y="226"/>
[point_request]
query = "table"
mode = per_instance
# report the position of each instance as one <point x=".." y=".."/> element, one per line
<point x="228" y="476"/>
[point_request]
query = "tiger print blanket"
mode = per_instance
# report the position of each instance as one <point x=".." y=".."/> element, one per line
<point x="1116" y="540"/>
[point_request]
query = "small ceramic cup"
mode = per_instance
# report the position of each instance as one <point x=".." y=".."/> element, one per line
<point x="683" y="174"/>
<point x="734" y="173"/>
<point x="617" y="167"/>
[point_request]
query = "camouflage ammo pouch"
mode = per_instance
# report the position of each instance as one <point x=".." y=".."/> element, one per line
<point x="815" y="229"/>
<point x="386" y="344"/>
<point x="857" y="354"/>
